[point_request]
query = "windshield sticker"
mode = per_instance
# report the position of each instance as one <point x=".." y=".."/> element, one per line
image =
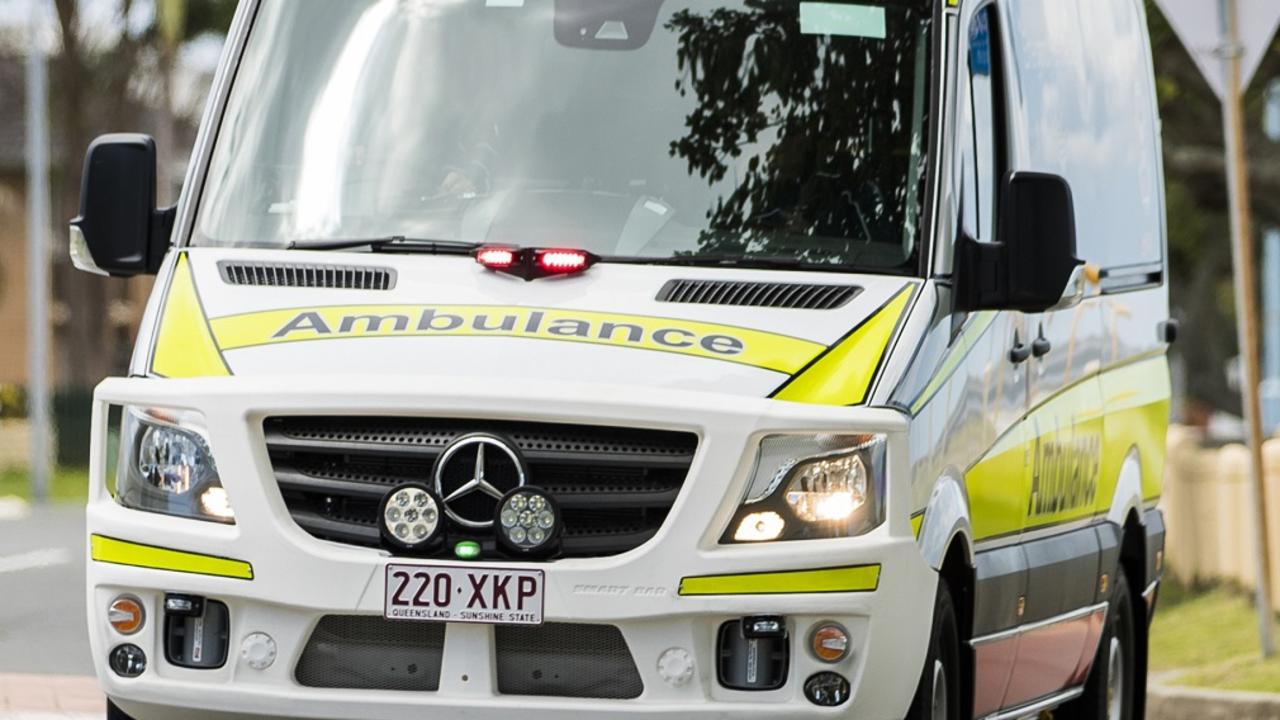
<point x="765" y="350"/>
<point x="862" y="21"/>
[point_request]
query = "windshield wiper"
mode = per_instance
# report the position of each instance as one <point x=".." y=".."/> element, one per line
<point x="394" y="243"/>
<point x="718" y="260"/>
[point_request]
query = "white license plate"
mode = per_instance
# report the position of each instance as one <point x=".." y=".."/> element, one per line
<point x="436" y="593"/>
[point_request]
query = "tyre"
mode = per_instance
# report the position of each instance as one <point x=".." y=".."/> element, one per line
<point x="938" y="695"/>
<point x="1109" y="691"/>
<point x="115" y="713"/>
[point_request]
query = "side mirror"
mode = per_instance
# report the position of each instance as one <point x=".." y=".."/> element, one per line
<point x="1033" y="266"/>
<point x="120" y="232"/>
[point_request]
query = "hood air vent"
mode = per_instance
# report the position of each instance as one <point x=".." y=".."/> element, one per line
<point x="342" y="277"/>
<point x="801" y="296"/>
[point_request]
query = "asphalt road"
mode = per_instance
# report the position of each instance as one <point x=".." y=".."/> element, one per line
<point x="42" y="601"/>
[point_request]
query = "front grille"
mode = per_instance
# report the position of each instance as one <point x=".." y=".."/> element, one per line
<point x="797" y="296"/>
<point x="365" y="652"/>
<point x="295" y="275"/>
<point x="614" y="486"/>
<point x="565" y="660"/>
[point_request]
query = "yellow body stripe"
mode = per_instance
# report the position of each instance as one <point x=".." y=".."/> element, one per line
<point x="863" y="578"/>
<point x="917" y="521"/>
<point x="843" y="376"/>
<point x="121" y="552"/>
<point x="185" y="348"/>
<point x="1124" y="408"/>
<point x="770" y="351"/>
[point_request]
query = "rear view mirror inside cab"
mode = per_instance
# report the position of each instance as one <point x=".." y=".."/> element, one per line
<point x="606" y="24"/>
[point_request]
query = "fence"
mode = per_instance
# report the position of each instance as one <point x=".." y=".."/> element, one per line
<point x="1208" y="510"/>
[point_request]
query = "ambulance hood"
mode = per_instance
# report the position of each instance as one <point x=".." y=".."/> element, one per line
<point x="446" y="316"/>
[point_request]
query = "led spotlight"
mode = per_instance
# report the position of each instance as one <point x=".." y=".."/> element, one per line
<point x="409" y="518"/>
<point x="528" y="522"/>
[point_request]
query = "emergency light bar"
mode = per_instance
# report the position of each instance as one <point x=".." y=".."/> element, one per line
<point x="534" y="263"/>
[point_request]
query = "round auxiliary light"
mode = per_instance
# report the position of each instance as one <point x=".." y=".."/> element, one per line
<point x="528" y="521"/>
<point x="410" y="518"/>
<point x="826" y="689"/>
<point x="126" y="615"/>
<point x="127" y="661"/>
<point x="829" y="642"/>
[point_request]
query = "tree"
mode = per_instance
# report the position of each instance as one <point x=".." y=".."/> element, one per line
<point x="95" y="79"/>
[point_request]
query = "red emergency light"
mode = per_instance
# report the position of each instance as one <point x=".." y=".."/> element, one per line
<point x="534" y="263"/>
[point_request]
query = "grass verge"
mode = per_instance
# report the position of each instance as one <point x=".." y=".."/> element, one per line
<point x="1210" y="639"/>
<point x="68" y="484"/>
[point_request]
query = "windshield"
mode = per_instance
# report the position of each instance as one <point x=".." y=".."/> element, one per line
<point x="643" y="129"/>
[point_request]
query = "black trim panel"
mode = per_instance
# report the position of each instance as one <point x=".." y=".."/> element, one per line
<point x="1062" y="574"/>
<point x="1109" y="535"/>
<point x="1154" y="524"/>
<point x="1001" y="580"/>
<point x="1056" y="575"/>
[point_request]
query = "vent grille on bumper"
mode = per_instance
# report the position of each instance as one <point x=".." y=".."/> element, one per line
<point x="565" y="660"/>
<point x="365" y="652"/>
<point x="797" y="296"/>
<point x="342" y="277"/>
<point x="614" y="486"/>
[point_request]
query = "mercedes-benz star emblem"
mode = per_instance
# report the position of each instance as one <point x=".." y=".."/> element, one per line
<point x="471" y="478"/>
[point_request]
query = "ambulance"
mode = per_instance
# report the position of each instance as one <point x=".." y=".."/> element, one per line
<point x="640" y="358"/>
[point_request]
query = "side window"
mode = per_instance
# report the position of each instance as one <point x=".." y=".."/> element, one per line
<point x="981" y="154"/>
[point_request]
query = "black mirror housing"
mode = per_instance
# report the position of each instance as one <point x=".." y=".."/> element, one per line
<point x="1033" y="260"/>
<point x="119" y="231"/>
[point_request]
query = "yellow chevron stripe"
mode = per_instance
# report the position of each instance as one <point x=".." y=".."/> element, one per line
<point x="122" y="552"/>
<point x="185" y="347"/>
<point x="862" y="578"/>
<point x="844" y="374"/>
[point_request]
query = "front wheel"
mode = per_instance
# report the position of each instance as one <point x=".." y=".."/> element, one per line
<point x="1109" y="692"/>
<point x="938" y="695"/>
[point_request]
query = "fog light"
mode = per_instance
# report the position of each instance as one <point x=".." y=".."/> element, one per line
<point x="258" y="651"/>
<point x="411" y="518"/>
<point x="829" y="642"/>
<point x="528" y="521"/>
<point x="127" y="661"/>
<point x="126" y="615"/>
<point x="826" y="689"/>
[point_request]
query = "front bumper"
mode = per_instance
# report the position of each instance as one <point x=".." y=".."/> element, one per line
<point x="297" y="579"/>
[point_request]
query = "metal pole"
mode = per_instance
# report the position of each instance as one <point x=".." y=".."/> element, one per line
<point x="38" y="255"/>
<point x="1246" y="310"/>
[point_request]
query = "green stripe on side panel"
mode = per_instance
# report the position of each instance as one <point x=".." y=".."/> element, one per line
<point x="862" y="578"/>
<point x="122" y="552"/>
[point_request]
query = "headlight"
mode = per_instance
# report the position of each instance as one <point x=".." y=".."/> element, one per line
<point x="165" y="466"/>
<point x="812" y="486"/>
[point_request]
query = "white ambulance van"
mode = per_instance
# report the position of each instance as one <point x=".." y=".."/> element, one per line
<point x="640" y="358"/>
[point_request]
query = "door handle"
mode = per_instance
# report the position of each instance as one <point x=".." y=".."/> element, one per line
<point x="1041" y="345"/>
<point x="1021" y="352"/>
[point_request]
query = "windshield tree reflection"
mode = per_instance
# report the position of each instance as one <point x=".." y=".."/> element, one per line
<point x="644" y="129"/>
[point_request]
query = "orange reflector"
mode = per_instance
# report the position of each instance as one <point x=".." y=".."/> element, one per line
<point x="829" y="643"/>
<point x="126" y="615"/>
